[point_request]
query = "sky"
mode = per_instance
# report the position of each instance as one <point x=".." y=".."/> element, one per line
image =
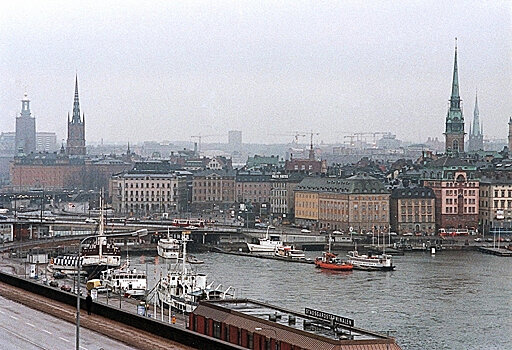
<point x="169" y="70"/>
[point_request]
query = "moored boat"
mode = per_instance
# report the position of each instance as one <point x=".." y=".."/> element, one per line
<point x="331" y="261"/>
<point x="266" y="245"/>
<point x="182" y="288"/>
<point x="168" y="248"/>
<point x="129" y="282"/>
<point x="371" y="261"/>
<point x="289" y="252"/>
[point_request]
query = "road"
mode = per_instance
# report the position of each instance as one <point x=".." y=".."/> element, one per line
<point x="24" y="328"/>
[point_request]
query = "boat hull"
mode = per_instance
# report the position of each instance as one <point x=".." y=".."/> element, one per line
<point x="334" y="267"/>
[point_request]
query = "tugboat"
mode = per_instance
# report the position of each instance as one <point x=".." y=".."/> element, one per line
<point x="182" y="288"/>
<point x="331" y="261"/>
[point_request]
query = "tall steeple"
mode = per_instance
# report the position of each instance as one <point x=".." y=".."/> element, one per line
<point x="454" y="132"/>
<point x="476" y="119"/>
<point x="76" y="104"/>
<point x="76" y="128"/>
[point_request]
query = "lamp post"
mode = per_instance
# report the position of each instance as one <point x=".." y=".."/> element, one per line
<point x="78" y="278"/>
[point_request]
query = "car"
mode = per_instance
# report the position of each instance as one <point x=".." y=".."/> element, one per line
<point x="408" y="234"/>
<point x="305" y="230"/>
<point x="478" y="239"/>
<point x="271" y="227"/>
<point x="54" y="284"/>
<point x="337" y="232"/>
<point x="393" y="234"/>
<point x="66" y="287"/>
<point x="90" y="221"/>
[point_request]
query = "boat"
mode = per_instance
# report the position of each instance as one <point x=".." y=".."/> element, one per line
<point x="126" y="281"/>
<point x="182" y="288"/>
<point x="289" y="252"/>
<point x="191" y="259"/>
<point x="371" y="261"/>
<point x="331" y="261"/>
<point x="168" y="248"/>
<point x="97" y="254"/>
<point x="266" y="245"/>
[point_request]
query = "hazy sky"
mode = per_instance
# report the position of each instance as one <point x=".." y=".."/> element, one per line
<point x="167" y="70"/>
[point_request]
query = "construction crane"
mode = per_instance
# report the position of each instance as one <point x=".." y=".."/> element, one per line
<point x="199" y="138"/>
<point x="311" y="143"/>
<point x="295" y="135"/>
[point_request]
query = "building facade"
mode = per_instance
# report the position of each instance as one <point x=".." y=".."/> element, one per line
<point x="253" y="188"/>
<point x="213" y="188"/>
<point x="46" y="142"/>
<point x="495" y="209"/>
<point x="360" y="203"/>
<point x="282" y="196"/>
<point x="142" y="193"/>
<point x="456" y="187"/>
<point x="25" y="137"/>
<point x="476" y="136"/>
<point x="76" y="128"/>
<point x="235" y="139"/>
<point x="454" y="132"/>
<point x="413" y="210"/>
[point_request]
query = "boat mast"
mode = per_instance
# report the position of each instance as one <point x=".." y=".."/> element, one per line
<point x="329" y="242"/>
<point x="184" y="238"/>
<point x="101" y="229"/>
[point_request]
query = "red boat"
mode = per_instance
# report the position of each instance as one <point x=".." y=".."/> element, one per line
<point x="331" y="261"/>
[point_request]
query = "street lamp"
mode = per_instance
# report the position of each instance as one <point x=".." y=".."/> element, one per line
<point x="133" y="234"/>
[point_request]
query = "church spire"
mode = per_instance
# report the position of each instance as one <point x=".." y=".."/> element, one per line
<point x="455" y="98"/>
<point x="76" y="104"/>
<point x="476" y="118"/>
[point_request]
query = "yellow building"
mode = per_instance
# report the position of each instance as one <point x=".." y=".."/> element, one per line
<point x="359" y="202"/>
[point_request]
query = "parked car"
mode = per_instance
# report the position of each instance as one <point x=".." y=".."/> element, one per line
<point x="54" y="284"/>
<point x="392" y="233"/>
<point x="305" y="230"/>
<point x="66" y="288"/>
<point x="408" y="234"/>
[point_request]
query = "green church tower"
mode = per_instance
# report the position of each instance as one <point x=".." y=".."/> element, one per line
<point x="454" y="134"/>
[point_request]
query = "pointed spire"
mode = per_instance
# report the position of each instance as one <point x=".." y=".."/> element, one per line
<point x="76" y="104"/>
<point x="476" y="118"/>
<point x="455" y="83"/>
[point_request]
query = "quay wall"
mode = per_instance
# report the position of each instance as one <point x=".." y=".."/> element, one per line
<point x="158" y="328"/>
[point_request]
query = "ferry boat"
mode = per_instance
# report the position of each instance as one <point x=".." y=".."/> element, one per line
<point x="331" y="261"/>
<point x="371" y="261"/>
<point x="130" y="282"/>
<point x="168" y="248"/>
<point x="97" y="254"/>
<point x="290" y="252"/>
<point x="266" y="245"/>
<point x="182" y="288"/>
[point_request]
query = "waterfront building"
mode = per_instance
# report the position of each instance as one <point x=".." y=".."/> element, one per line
<point x="476" y="136"/>
<point x="454" y="132"/>
<point x="149" y="189"/>
<point x="495" y="209"/>
<point x="510" y="134"/>
<point x="413" y="210"/>
<point x="76" y="128"/>
<point x="253" y="187"/>
<point x="456" y="187"/>
<point x="25" y="137"/>
<point x="256" y="325"/>
<point x="59" y="171"/>
<point x="213" y="188"/>
<point x="282" y="196"/>
<point x="360" y="202"/>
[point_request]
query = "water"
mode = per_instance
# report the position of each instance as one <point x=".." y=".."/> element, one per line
<point x="454" y="300"/>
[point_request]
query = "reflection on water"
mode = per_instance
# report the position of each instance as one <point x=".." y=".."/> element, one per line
<point x="454" y="300"/>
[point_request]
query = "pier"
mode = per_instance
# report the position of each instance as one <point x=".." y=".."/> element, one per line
<point x="495" y="251"/>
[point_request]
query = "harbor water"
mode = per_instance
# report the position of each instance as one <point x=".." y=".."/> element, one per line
<point x="453" y="300"/>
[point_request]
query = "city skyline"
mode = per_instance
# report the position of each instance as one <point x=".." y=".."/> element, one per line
<point x="331" y="68"/>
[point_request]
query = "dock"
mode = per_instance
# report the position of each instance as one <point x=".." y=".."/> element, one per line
<point x="495" y="251"/>
<point x="268" y="257"/>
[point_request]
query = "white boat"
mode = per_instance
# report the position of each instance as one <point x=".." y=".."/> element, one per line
<point x="289" y="252"/>
<point x="182" y="288"/>
<point x="168" y="248"/>
<point x="97" y="254"/>
<point x="370" y="261"/>
<point x="266" y="245"/>
<point x="130" y="282"/>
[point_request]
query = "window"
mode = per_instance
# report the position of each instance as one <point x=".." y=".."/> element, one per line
<point x="216" y="329"/>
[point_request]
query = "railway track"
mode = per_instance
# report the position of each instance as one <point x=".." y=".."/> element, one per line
<point x="115" y="330"/>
